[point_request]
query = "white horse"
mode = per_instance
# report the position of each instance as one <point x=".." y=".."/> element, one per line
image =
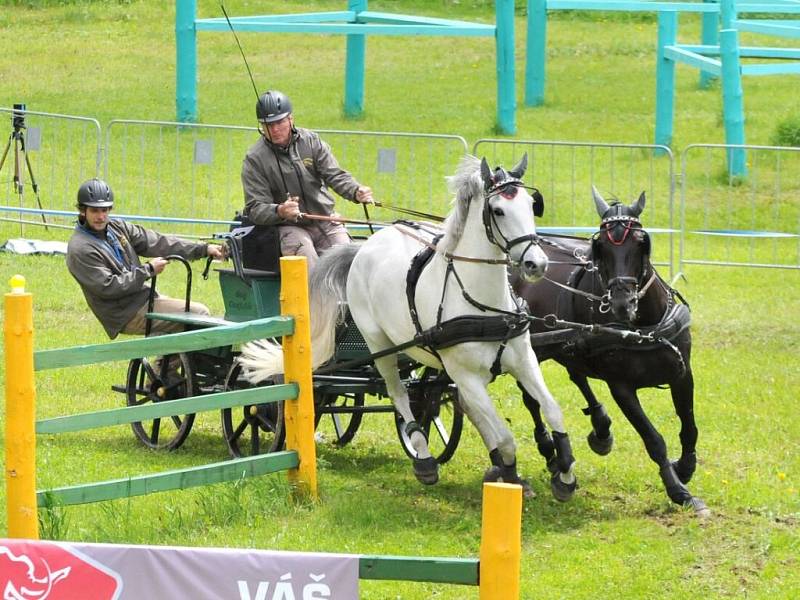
<point x="458" y="307"/>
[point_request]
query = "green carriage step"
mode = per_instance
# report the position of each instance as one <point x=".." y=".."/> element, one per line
<point x="189" y="318"/>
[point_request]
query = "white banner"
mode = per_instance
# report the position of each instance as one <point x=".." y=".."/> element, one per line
<point x="34" y="570"/>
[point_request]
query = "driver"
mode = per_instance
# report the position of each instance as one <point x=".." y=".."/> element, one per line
<point x="286" y="174"/>
<point x="103" y="257"/>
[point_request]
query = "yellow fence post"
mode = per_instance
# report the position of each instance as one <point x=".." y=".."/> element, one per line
<point x="20" y="413"/>
<point x="501" y="541"/>
<point x="299" y="414"/>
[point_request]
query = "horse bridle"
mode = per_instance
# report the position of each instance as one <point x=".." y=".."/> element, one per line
<point x="629" y="223"/>
<point x="504" y="188"/>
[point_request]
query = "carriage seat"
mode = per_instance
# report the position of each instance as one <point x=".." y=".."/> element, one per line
<point x="254" y="295"/>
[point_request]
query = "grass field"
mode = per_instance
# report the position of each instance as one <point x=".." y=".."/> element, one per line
<point x="620" y="536"/>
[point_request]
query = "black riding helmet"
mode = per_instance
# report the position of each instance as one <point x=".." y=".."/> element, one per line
<point x="95" y="193"/>
<point x="273" y="106"/>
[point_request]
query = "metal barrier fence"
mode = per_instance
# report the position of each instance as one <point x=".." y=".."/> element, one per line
<point x="731" y="221"/>
<point x="565" y="171"/>
<point x="179" y="170"/>
<point x="45" y="158"/>
<point x="189" y="176"/>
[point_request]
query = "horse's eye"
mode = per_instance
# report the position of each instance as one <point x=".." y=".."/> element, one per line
<point x="498" y="212"/>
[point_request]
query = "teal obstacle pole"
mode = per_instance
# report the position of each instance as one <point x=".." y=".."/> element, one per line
<point x="356" y="23"/>
<point x="186" y="61"/>
<point x="506" y="86"/>
<point x="535" y="53"/>
<point x="355" y="68"/>
<point x="665" y="78"/>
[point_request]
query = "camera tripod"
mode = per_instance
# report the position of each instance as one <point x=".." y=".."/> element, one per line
<point x="17" y="139"/>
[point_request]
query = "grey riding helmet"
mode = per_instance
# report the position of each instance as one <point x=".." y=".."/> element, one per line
<point x="273" y="106"/>
<point x="95" y="193"/>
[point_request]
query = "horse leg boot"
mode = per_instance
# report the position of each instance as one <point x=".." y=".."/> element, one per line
<point x="499" y="471"/>
<point x="563" y="482"/>
<point x="600" y="438"/>
<point x="544" y="443"/>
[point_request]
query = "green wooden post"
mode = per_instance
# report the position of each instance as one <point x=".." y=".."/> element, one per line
<point x="665" y="78"/>
<point x="186" y="61"/>
<point x="504" y="39"/>
<point x="536" y="52"/>
<point x="709" y="37"/>
<point x="355" y="66"/>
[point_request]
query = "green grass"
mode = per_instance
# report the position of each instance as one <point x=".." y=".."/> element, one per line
<point x="619" y="536"/>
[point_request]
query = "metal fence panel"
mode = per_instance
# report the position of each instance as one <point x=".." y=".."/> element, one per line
<point x="192" y="172"/>
<point x="45" y="158"/>
<point x="749" y="221"/>
<point x="565" y="171"/>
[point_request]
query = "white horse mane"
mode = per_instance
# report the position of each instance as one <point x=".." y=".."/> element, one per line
<point x="466" y="184"/>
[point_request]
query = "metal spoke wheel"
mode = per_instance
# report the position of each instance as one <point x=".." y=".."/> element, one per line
<point x="342" y="412"/>
<point x="254" y="428"/>
<point x="158" y="379"/>
<point x="439" y="414"/>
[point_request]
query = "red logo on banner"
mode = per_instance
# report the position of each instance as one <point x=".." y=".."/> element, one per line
<point x="42" y="571"/>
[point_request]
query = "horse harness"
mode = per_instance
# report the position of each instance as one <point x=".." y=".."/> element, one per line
<point x="593" y="339"/>
<point x="501" y="327"/>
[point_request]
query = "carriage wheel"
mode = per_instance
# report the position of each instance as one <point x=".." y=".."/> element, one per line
<point x="145" y="383"/>
<point x="346" y="424"/>
<point x="254" y="428"/>
<point x="440" y="416"/>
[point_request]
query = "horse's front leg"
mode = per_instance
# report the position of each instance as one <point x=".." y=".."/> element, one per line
<point x="520" y="361"/>
<point x="426" y="469"/>
<point x="628" y="402"/>
<point x="479" y="408"/>
<point x="600" y="437"/>
<point x="682" y="392"/>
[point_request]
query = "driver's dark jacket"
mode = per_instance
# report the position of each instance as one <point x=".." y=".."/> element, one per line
<point x="116" y="290"/>
<point x="306" y="168"/>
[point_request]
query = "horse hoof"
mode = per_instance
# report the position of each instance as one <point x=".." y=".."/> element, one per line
<point x="426" y="470"/>
<point x="492" y="474"/>
<point x="527" y="490"/>
<point x="601" y="446"/>
<point x="562" y="491"/>
<point x="700" y="509"/>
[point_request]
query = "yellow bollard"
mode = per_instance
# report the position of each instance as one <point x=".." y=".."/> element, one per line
<point x="501" y="541"/>
<point x="20" y="413"/>
<point x="299" y="414"/>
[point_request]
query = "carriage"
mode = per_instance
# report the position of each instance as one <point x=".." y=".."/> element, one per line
<point x="343" y="394"/>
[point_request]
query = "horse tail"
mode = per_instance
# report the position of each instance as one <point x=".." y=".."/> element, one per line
<point x="327" y="283"/>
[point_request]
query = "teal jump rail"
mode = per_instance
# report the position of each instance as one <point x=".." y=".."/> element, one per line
<point x="356" y="23"/>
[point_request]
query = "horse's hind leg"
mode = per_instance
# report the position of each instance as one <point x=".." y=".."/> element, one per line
<point x="629" y="403"/>
<point x="600" y="438"/>
<point x="544" y="442"/>
<point x="426" y="468"/>
<point x="683" y="399"/>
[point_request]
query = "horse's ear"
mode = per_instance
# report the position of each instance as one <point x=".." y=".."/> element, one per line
<point x="486" y="173"/>
<point x="518" y="171"/>
<point x="637" y="208"/>
<point x="602" y="205"/>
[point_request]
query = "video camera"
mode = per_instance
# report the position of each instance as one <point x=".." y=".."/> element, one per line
<point x="18" y="117"/>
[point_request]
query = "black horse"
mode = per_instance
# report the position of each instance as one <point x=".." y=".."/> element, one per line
<point x="603" y="312"/>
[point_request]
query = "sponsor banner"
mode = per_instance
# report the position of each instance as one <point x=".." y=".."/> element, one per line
<point x="34" y="570"/>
